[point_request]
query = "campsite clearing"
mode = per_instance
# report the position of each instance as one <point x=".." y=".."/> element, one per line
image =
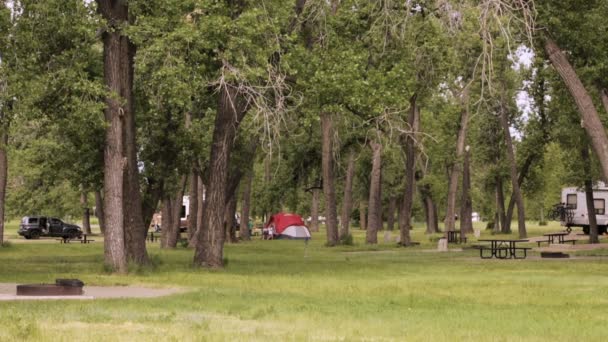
<point x="271" y="291"/>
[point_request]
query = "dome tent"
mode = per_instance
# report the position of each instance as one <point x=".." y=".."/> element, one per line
<point x="288" y="226"/>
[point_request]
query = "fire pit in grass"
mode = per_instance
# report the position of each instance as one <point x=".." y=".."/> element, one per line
<point x="62" y="287"/>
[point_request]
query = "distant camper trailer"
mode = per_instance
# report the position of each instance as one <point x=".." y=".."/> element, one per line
<point x="572" y="210"/>
<point x="183" y="217"/>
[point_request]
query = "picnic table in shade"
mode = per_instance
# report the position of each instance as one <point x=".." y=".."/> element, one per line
<point x="559" y="237"/>
<point x="503" y="249"/>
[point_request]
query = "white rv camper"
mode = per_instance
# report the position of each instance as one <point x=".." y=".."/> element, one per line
<point x="183" y="217"/>
<point x="574" y="208"/>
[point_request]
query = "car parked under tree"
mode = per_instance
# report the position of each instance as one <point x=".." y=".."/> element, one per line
<point x="33" y="227"/>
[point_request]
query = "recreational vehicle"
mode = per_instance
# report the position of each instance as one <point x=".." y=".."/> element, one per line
<point x="183" y="217"/>
<point x="572" y="210"/>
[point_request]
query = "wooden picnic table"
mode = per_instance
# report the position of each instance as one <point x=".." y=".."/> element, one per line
<point x="503" y="249"/>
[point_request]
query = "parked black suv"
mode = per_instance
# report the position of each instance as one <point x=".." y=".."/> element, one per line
<point x="33" y="227"/>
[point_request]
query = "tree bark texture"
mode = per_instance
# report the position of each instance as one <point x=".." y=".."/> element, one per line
<point x="363" y="214"/>
<point x="166" y="220"/>
<point x="3" y="178"/>
<point x="200" y="213"/>
<point x="520" y="180"/>
<point x="429" y="206"/>
<point x="604" y="97"/>
<point x="314" y="211"/>
<point x="521" y="217"/>
<point x="230" y="112"/>
<point x="499" y="221"/>
<point x="99" y="211"/>
<point x="390" y="215"/>
<point x="230" y="225"/>
<point x="466" y="207"/>
<point x="329" y="187"/>
<point x="347" y="200"/>
<point x="117" y="73"/>
<point x="405" y="219"/>
<point x="450" y="215"/>
<point x="374" y="218"/>
<point x="135" y="226"/>
<point x="172" y="205"/>
<point x="593" y="233"/>
<point x="86" y="213"/>
<point x="193" y="203"/>
<point x="430" y="213"/>
<point x="267" y="181"/>
<point x="246" y="207"/>
<point x="589" y="115"/>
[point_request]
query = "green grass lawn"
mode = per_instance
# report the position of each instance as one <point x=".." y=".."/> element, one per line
<point x="284" y="291"/>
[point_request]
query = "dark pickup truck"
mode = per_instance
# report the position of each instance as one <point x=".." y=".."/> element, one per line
<point x="33" y="227"/>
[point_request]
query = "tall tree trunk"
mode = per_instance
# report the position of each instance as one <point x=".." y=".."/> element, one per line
<point x="374" y="219"/>
<point x="193" y="203"/>
<point x="200" y="213"/>
<point x="267" y="182"/>
<point x="329" y="188"/>
<point x="314" y="211"/>
<point x="150" y="200"/>
<point x="134" y="223"/>
<point x="589" y="115"/>
<point x="410" y="174"/>
<point x="509" y="214"/>
<point x="430" y="208"/>
<point x="172" y="207"/>
<point x="246" y="206"/>
<point x="593" y="233"/>
<point x="466" y="207"/>
<point x="604" y="97"/>
<point x="117" y="73"/>
<point x="390" y="217"/>
<point x="363" y="214"/>
<point x="450" y="215"/>
<point x="99" y="211"/>
<point x="210" y="247"/>
<point x="3" y="177"/>
<point x="166" y="221"/>
<point x="230" y="226"/>
<point x="521" y="217"/>
<point x="86" y="214"/>
<point x="430" y="213"/>
<point x="523" y="173"/>
<point x="499" y="222"/>
<point x="347" y="201"/>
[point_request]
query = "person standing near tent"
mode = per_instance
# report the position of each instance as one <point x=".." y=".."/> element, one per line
<point x="271" y="232"/>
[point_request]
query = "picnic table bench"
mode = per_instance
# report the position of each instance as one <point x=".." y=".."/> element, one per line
<point x="83" y="240"/>
<point x="502" y="249"/>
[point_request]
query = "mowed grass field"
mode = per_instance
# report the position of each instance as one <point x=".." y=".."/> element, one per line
<point x="289" y="291"/>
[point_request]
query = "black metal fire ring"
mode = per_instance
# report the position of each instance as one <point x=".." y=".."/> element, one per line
<point x="48" y="290"/>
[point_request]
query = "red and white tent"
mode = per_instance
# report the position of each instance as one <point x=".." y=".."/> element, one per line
<point x="288" y="226"/>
